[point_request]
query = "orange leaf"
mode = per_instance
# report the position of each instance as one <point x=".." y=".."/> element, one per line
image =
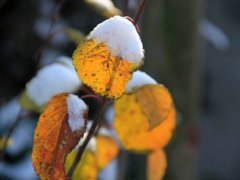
<point x="106" y="150"/>
<point x="107" y="75"/>
<point x="132" y="124"/>
<point x="156" y="165"/>
<point x="155" y="102"/>
<point x="54" y="139"/>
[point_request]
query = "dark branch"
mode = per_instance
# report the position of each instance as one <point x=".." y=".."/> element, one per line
<point x="139" y="11"/>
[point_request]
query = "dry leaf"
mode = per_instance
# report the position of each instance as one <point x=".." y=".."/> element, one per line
<point x="54" y="139"/>
<point x="132" y="124"/>
<point x="156" y="165"/>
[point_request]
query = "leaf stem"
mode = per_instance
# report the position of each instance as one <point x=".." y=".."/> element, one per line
<point x="93" y="96"/>
<point x="89" y="136"/>
<point x="139" y="11"/>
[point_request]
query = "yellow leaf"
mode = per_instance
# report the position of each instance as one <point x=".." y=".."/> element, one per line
<point x="86" y="169"/>
<point x="106" y="150"/>
<point x="54" y="139"/>
<point x="155" y="102"/>
<point x="107" y="75"/>
<point x="74" y="35"/>
<point x="132" y="125"/>
<point x="105" y="7"/>
<point x="156" y="165"/>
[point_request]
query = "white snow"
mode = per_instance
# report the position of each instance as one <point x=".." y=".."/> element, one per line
<point x="91" y="144"/>
<point x="66" y="61"/>
<point x="139" y="79"/>
<point x="121" y="38"/>
<point x="51" y="80"/>
<point x="76" y="109"/>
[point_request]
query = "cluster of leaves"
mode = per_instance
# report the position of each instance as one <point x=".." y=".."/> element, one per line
<point x="144" y="113"/>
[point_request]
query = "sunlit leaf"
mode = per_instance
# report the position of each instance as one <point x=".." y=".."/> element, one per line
<point x="74" y="35"/>
<point x="105" y="7"/>
<point x="54" y="138"/>
<point x="106" y="150"/>
<point x="156" y="165"/>
<point x="107" y="75"/>
<point x="132" y="125"/>
<point x="106" y="60"/>
<point x="86" y="169"/>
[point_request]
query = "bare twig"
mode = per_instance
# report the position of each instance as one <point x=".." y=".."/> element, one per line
<point x="139" y="11"/>
<point x="50" y="31"/>
<point x="93" y="96"/>
<point x="91" y="133"/>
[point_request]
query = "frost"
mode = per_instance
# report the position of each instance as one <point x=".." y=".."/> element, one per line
<point x="139" y="79"/>
<point x="51" y="80"/>
<point x="76" y="110"/>
<point x="121" y="37"/>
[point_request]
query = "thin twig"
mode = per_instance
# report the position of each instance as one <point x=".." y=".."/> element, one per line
<point x="20" y="116"/>
<point x="50" y="33"/>
<point x="91" y="133"/>
<point x="139" y="11"/>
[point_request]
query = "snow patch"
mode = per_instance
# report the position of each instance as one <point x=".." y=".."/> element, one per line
<point x="139" y="79"/>
<point x="52" y="80"/>
<point x="76" y="109"/>
<point x="121" y="37"/>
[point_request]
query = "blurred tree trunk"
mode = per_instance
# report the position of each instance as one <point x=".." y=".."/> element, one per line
<point x="173" y="55"/>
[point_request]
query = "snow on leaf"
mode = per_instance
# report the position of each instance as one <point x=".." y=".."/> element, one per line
<point x="156" y="165"/>
<point x="106" y="60"/>
<point x="54" y="139"/>
<point x="49" y="81"/>
<point x="139" y="79"/>
<point x="136" y="115"/>
<point x="105" y="7"/>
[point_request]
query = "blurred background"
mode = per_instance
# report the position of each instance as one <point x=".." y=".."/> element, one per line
<point x="191" y="46"/>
